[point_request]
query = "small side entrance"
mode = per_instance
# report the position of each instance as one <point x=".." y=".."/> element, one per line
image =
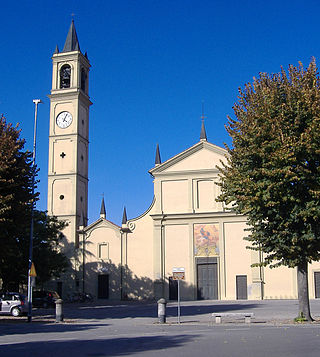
<point x="241" y="287"/>
<point x="103" y="286"/>
<point x="317" y="284"/>
<point x="207" y="278"/>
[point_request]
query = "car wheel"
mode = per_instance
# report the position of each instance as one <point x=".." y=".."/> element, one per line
<point x="15" y="312"/>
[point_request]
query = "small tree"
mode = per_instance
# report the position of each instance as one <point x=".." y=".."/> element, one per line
<point x="16" y="199"/>
<point x="47" y="255"/>
<point x="15" y="195"/>
<point x="272" y="174"/>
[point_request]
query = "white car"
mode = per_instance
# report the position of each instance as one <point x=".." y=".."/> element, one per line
<point x="13" y="303"/>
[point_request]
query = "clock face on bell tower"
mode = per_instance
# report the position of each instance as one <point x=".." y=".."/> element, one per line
<point x="64" y="119"/>
<point x="68" y="136"/>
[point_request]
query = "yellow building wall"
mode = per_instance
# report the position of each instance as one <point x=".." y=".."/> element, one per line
<point x="105" y="239"/>
<point x="237" y="259"/>
<point x="140" y="258"/>
<point x="175" y="197"/>
<point x="163" y="238"/>
<point x="178" y="254"/>
<point x="280" y="283"/>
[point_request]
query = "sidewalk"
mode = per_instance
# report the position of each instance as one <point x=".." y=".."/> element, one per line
<point x="265" y="311"/>
<point x="192" y="312"/>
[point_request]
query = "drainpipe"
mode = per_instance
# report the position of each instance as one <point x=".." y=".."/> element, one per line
<point x="261" y="274"/>
<point x="83" y="262"/>
<point x="162" y="254"/>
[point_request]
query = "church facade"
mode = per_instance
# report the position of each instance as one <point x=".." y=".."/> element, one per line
<point x="184" y="227"/>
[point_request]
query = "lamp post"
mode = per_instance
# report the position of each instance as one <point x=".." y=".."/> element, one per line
<point x="36" y="102"/>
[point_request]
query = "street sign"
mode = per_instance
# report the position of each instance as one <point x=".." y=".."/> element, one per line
<point x="32" y="270"/>
<point x="178" y="273"/>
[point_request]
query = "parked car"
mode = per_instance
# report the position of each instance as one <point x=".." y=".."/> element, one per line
<point x="13" y="303"/>
<point x="44" y="298"/>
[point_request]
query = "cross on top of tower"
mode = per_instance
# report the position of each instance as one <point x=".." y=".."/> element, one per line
<point x="202" y="114"/>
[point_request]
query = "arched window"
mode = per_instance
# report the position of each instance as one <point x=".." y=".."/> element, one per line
<point x="65" y="76"/>
<point x="83" y="79"/>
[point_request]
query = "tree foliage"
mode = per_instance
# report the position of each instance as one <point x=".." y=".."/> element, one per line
<point x="273" y="170"/>
<point x="16" y="199"/>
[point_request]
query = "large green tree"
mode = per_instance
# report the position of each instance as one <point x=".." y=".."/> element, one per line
<point x="16" y="199"/>
<point x="272" y="174"/>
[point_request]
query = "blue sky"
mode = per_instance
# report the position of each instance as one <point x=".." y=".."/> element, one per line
<point x="153" y="63"/>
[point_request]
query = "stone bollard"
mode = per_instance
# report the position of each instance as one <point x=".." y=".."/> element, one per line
<point x="162" y="303"/>
<point x="59" y="313"/>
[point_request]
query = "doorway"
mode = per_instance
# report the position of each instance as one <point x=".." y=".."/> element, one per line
<point x="103" y="286"/>
<point x="241" y="287"/>
<point x="207" y="279"/>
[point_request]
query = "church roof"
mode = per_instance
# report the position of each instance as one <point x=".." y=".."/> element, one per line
<point x="72" y="43"/>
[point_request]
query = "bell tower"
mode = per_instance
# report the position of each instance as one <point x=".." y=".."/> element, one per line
<point x="68" y="136"/>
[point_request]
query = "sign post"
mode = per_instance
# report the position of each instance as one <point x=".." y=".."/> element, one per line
<point x="31" y="281"/>
<point x="178" y="274"/>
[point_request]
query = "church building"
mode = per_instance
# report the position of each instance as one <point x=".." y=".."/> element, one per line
<point x="184" y="227"/>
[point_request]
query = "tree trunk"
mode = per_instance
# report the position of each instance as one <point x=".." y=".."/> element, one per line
<point x="303" y="291"/>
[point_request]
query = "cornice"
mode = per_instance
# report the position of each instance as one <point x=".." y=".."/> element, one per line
<point x="197" y="215"/>
<point x="69" y="93"/>
<point x="68" y="56"/>
<point x="191" y="173"/>
<point x="67" y="175"/>
<point x="78" y="135"/>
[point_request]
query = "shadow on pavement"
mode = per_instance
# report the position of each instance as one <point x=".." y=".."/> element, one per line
<point x="149" y="310"/>
<point x="208" y="309"/>
<point x="26" y="328"/>
<point x="105" y="347"/>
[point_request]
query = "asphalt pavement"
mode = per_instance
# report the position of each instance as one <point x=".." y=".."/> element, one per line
<point x="109" y="328"/>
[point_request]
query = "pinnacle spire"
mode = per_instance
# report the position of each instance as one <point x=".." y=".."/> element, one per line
<point x="103" y="209"/>
<point x="56" y="50"/>
<point x="124" y="216"/>
<point x="158" y="158"/>
<point x="71" y="43"/>
<point x="203" y="134"/>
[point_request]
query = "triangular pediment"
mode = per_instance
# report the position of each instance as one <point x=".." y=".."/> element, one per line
<point x="201" y="156"/>
<point x="101" y="223"/>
